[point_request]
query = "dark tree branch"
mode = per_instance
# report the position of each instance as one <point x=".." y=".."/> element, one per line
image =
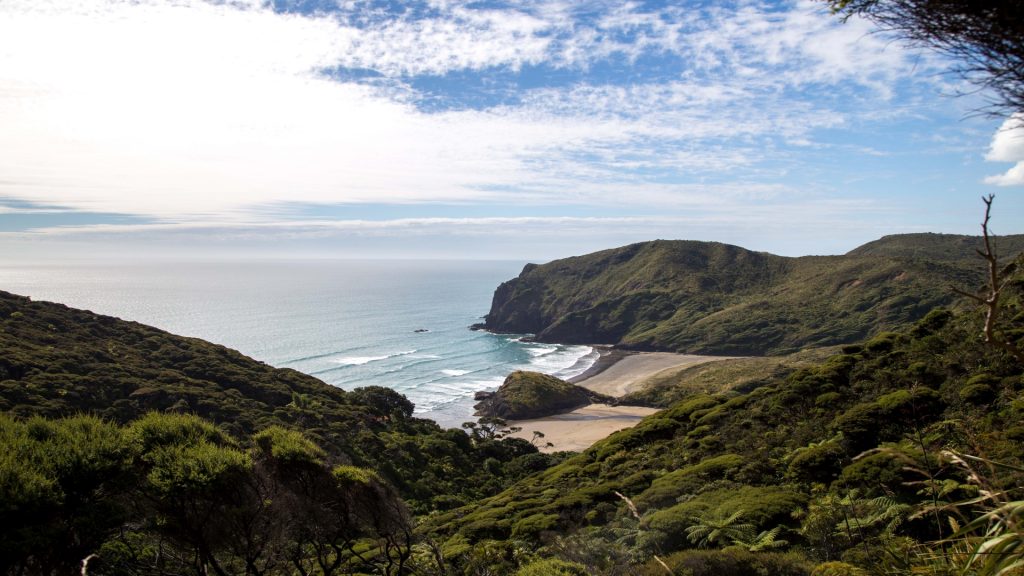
<point x="985" y="38"/>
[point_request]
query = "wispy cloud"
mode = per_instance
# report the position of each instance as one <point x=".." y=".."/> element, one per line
<point x="199" y="113"/>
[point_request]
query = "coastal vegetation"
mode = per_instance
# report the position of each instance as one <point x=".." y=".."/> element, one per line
<point x="711" y="298"/>
<point x="893" y="456"/>
<point x="740" y="374"/>
<point x="129" y="450"/>
<point x="525" y="395"/>
<point x="60" y="362"/>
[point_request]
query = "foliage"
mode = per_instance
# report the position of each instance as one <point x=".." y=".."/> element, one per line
<point x="56" y="361"/>
<point x="735" y="562"/>
<point x="985" y="39"/>
<point x="712" y="298"/>
<point x="791" y="461"/>
<point x="152" y="503"/>
<point x="524" y="395"/>
<point x="717" y="529"/>
<point x="552" y="567"/>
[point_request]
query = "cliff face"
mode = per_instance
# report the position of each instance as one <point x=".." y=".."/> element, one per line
<point x="713" y="298"/>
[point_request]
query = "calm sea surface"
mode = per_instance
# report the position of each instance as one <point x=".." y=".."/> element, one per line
<point x="349" y="323"/>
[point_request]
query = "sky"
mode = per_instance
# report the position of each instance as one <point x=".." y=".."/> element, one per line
<point x="528" y="130"/>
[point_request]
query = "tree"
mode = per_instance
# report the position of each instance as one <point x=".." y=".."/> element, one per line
<point x="985" y="37"/>
<point x="990" y="297"/>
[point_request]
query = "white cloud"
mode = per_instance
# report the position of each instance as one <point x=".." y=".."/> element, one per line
<point x="197" y="111"/>
<point x="1008" y="146"/>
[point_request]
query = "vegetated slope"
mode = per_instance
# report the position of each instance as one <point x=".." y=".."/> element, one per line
<point x="711" y="298"/>
<point x="58" y="361"/>
<point x="785" y="456"/>
<point x="525" y="395"/>
<point x="931" y="246"/>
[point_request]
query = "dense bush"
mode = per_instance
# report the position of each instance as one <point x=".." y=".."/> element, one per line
<point x="734" y="562"/>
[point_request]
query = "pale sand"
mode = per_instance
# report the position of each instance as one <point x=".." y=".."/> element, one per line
<point x="579" y="429"/>
<point x="622" y="377"/>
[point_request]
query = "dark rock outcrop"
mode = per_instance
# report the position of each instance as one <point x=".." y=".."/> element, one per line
<point x="526" y="395"/>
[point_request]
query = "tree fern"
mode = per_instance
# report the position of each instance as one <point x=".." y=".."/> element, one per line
<point x="767" y="540"/>
<point x="713" y="529"/>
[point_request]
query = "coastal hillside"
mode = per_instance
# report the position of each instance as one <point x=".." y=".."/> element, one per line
<point x="859" y="464"/>
<point x="711" y="298"/>
<point x="147" y="453"/>
<point x="57" y="361"/>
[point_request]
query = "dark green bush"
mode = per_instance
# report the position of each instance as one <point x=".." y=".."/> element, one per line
<point x="977" y="394"/>
<point x="688" y="480"/>
<point x="818" y="463"/>
<point x="552" y="567"/>
<point x="734" y="562"/>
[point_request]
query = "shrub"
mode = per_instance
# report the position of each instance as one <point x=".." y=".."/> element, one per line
<point x="880" y="471"/>
<point x="884" y="342"/>
<point x="533" y="525"/>
<point x="735" y="562"/>
<point x="977" y="394"/>
<point x="288" y="446"/>
<point x="764" y="507"/>
<point x="552" y="567"/>
<point x="682" y="411"/>
<point x="827" y="399"/>
<point x="819" y="463"/>
<point x="837" y="569"/>
<point x="689" y="479"/>
<point x="859" y="425"/>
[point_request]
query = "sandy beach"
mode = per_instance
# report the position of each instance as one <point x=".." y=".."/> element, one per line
<point x="615" y="374"/>
<point x="624" y="374"/>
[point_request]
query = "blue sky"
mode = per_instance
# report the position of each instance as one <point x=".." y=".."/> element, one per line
<point x="449" y="129"/>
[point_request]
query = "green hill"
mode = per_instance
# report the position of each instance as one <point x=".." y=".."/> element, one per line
<point x="57" y="361"/>
<point x="165" y="454"/>
<point x="711" y="298"/>
<point x="149" y="453"/>
<point x="931" y="246"/>
<point x="849" y="461"/>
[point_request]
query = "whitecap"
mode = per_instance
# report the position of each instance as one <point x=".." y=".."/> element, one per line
<point x="541" y="350"/>
<point x="564" y="361"/>
<point x="455" y="372"/>
<point x="360" y="360"/>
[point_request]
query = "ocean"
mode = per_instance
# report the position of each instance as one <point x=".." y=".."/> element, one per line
<point x="350" y="323"/>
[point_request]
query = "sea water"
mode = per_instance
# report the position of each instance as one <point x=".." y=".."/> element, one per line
<point x="400" y="324"/>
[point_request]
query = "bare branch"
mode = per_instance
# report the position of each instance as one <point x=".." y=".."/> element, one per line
<point x="990" y="298"/>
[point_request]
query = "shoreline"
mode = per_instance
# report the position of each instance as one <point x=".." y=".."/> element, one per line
<point x="615" y="373"/>
<point x="608" y="356"/>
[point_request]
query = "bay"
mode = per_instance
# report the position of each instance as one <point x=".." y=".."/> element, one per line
<point x="350" y="323"/>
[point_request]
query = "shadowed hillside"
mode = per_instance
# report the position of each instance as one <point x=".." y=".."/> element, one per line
<point x="57" y="361"/>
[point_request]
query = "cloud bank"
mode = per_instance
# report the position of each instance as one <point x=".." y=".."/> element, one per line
<point x="213" y="110"/>
<point x="546" y="127"/>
